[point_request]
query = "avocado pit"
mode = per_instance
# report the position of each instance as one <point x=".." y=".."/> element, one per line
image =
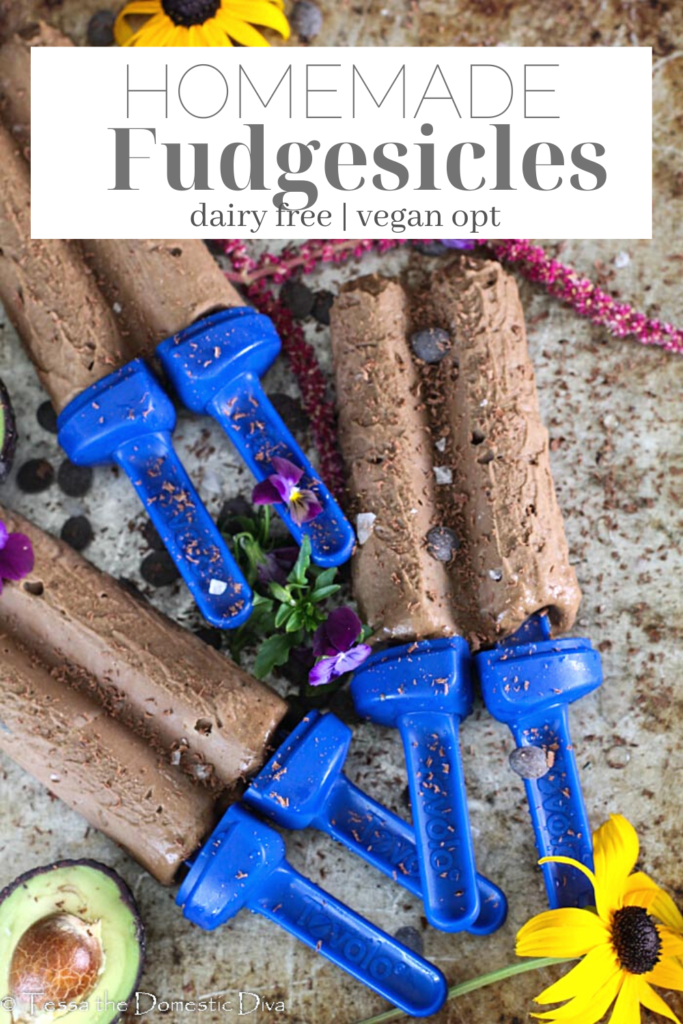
<point x="58" y="959"/>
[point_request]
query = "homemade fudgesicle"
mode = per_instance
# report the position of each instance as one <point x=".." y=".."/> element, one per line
<point x="138" y="725"/>
<point x="449" y="471"/>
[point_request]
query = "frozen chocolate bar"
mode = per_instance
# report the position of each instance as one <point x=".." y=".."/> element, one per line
<point x="193" y="703"/>
<point x="403" y="592"/>
<point x="95" y="764"/>
<point x="158" y="286"/>
<point x="50" y="297"/>
<point x="516" y="549"/>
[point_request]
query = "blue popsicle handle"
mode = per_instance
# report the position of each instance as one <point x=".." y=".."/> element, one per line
<point x="190" y="535"/>
<point x="442" y="829"/>
<point x="128" y="418"/>
<point x="349" y="941"/>
<point x="557" y="809"/>
<point x="255" y="428"/>
<point x="388" y="843"/>
<point x="215" y="365"/>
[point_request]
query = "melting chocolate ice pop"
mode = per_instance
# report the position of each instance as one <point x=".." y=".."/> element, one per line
<point x="110" y="409"/>
<point x="423" y="685"/>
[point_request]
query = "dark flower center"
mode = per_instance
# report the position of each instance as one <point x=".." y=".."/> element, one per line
<point x="636" y="940"/>
<point x="190" y="12"/>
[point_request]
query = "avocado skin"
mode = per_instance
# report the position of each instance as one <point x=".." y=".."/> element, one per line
<point x="10" y="433"/>
<point x="127" y="899"/>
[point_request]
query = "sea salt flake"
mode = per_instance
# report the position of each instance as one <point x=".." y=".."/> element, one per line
<point x="622" y="259"/>
<point x="443" y="474"/>
<point x="365" y="524"/>
<point x="441" y="444"/>
<point x="217" y="587"/>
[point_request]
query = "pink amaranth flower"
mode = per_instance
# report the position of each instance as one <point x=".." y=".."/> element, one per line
<point x="283" y="486"/>
<point x="334" y="643"/>
<point x="16" y="555"/>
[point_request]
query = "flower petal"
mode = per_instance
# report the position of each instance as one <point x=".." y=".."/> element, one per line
<point x="641" y="891"/>
<point x="343" y="627"/>
<point x="265" y="493"/>
<point x="241" y="31"/>
<point x="615" y="852"/>
<point x="3" y="535"/>
<point x="588" y="1007"/>
<point x="269" y="15"/>
<point x="667" y="974"/>
<point x="627" y="1007"/>
<point x="672" y="944"/>
<point x="323" y="672"/>
<point x="568" y="932"/>
<point x="653" y="1001"/>
<point x="588" y="974"/>
<point x="313" y="506"/>
<point x="16" y="557"/>
<point x="350" y="660"/>
<point x="286" y="470"/>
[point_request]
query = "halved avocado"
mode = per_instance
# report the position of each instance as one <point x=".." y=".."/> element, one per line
<point x="70" y="933"/>
<point x="8" y="433"/>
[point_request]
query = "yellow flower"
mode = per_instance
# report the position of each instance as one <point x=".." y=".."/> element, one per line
<point x="200" y="22"/>
<point x="624" y="950"/>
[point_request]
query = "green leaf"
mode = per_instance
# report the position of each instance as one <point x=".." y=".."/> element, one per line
<point x="323" y="592"/>
<point x="295" y="621"/>
<point x="273" y="651"/>
<point x="282" y="614"/>
<point x="280" y="594"/>
<point x="298" y="573"/>
<point x="324" y="579"/>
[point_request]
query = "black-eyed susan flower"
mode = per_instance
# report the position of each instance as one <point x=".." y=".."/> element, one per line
<point x="199" y="22"/>
<point x="630" y="943"/>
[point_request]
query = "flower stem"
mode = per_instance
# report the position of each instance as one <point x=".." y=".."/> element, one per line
<point x="473" y="984"/>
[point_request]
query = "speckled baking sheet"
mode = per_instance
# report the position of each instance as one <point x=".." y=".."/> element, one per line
<point x="615" y="417"/>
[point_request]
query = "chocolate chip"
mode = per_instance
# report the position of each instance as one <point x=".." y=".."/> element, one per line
<point x="100" y="30"/>
<point x="433" y="248"/>
<point x="322" y="306"/>
<point x="298" y="298"/>
<point x="442" y="543"/>
<point x="212" y="637"/>
<point x="430" y="345"/>
<point x="529" y="762"/>
<point x="158" y="569"/>
<point x="35" y="476"/>
<point x="74" y="480"/>
<point x="292" y="412"/>
<point x="411" y="938"/>
<point x="151" y="535"/>
<point x="306" y="19"/>
<point x="77" y="532"/>
<point x="47" y="417"/>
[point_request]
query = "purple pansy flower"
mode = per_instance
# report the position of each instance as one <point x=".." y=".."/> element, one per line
<point x="277" y="565"/>
<point x="16" y="555"/>
<point x="283" y="485"/>
<point x="457" y="243"/>
<point x="335" y="644"/>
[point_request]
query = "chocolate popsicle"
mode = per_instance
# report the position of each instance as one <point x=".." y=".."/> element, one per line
<point x="49" y="295"/>
<point x="516" y="549"/>
<point x="95" y="764"/>
<point x="158" y="286"/>
<point x="193" y="703"/>
<point x="403" y="593"/>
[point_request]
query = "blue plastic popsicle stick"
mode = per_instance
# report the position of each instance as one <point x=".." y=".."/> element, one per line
<point x="244" y="864"/>
<point x="127" y="418"/>
<point x="303" y="786"/>
<point x="425" y="690"/>
<point x="215" y="366"/>
<point x="529" y="682"/>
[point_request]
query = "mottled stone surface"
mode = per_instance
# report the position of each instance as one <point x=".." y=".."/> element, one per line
<point x="615" y="415"/>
